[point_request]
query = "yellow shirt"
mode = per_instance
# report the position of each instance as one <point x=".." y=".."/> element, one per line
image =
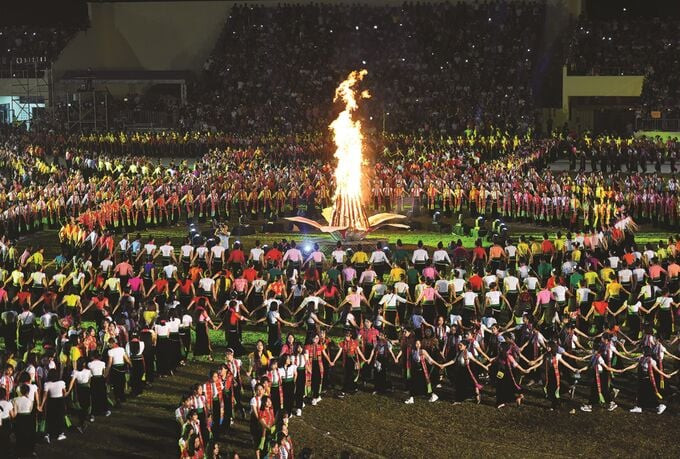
<point x="17" y="277"/>
<point x="71" y="300"/>
<point x="522" y="249"/>
<point x="591" y="277"/>
<point x="396" y="273"/>
<point x="606" y="274"/>
<point x="614" y="288"/>
<point x="360" y="257"/>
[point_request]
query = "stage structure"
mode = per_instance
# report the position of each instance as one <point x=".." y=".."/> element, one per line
<point x="347" y="219"/>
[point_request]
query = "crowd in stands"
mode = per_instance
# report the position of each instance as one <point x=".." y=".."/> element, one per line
<point x="21" y="44"/>
<point x="431" y="67"/>
<point x="632" y="46"/>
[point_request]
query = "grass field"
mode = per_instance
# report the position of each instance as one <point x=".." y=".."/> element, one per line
<point x="364" y="425"/>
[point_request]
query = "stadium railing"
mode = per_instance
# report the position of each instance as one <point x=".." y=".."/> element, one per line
<point x="657" y="124"/>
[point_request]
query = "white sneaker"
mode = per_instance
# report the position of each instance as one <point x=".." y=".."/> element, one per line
<point x="298" y="412"/>
<point x="313" y="402"/>
<point x="91" y="418"/>
<point x="47" y="439"/>
<point x="303" y="404"/>
<point x="318" y="399"/>
<point x="433" y="397"/>
<point x="637" y="409"/>
<point x="615" y="392"/>
<point x="108" y="413"/>
<point x="409" y="401"/>
<point x="587" y="408"/>
<point x="612" y="406"/>
<point x="660" y="409"/>
<point x="61" y="437"/>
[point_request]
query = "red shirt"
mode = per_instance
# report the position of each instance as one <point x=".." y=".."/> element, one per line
<point x="476" y="282"/>
<point x="547" y="246"/>
<point x="480" y="252"/>
<point x="250" y="274"/>
<point x="274" y="255"/>
<point x="236" y="256"/>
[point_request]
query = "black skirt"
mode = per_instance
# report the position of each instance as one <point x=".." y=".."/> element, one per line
<point x="202" y="340"/>
<point x="506" y="391"/>
<point x="24" y="430"/>
<point x="163" y="355"/>
<point x="56" y="413"/>
<point x="288" y="396"/>
<point x="463" y="383"/>
<point x="100" y="403"/>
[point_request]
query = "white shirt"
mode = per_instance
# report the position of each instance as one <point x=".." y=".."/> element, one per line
<point x="494" y="297"/>
<point x="187" y="320"/>
<point x="511" y="284"/>
<point x="166" y="250"/>
<point x="458" y="285"/>
<point x="560" y="292"/>
<point x="170" y="271"/>
<point x="55" y="389"/>
<point x="531" y="282"/>
<point x="420" y="255"/>
<point x="490" y="279"/>
<point x="441" y="255"/>
<point x="106" y="265"/>
<point x="338" y="255"/>
<point x="206" y="284"/>
<point x="217" y="251"/>
<point x="469" y="298"/>
<point x="378" y="256"/>
<point x="186" y="250"/>
<point x="5" y="408"/>
<point x="625" y="275"/>
<point x="83" y="376"/>
<point x="293" y="255"/>
<point x="97" y="367"/>
<point x="150" y="248"/>
<point x="117" y="354"/>
<point x="256" y="253"/>
<point x="23" y="404"/>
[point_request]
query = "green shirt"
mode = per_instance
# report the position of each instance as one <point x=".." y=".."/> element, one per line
<point x="412" y="276"/>
<point x="575" y="279"/>
<point x="544" y="269"/>
<point x="333" y="274"/>
<point x="274" y="273"/>
<point x="400" y="255"/>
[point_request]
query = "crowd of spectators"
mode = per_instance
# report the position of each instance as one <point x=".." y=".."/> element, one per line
<point x="22" y="44"/>
<point x="431" y="67"/>
<point x="647" y="46"/>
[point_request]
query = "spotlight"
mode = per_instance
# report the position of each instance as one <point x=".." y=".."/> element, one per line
<point x="308" y="247"/>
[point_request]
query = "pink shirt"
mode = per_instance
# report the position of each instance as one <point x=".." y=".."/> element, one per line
<point x="135" y="283"/>
<point x="544" y="296"/>
<point x="240" y="284"/>
<point x="429" y="272"/>
<point x="428" y="293"/>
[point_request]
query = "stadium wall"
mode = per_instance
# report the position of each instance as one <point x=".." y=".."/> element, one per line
<point x="592" y="86"/>
<point x="146" y="36"/>
<point x="33" y="87"/>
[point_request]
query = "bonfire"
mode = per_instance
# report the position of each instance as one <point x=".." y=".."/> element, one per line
<point x="347" y="219"/>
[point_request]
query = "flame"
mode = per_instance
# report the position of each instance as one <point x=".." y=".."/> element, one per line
<point x="348" y="139"/>
<point x="348" y="210"/>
